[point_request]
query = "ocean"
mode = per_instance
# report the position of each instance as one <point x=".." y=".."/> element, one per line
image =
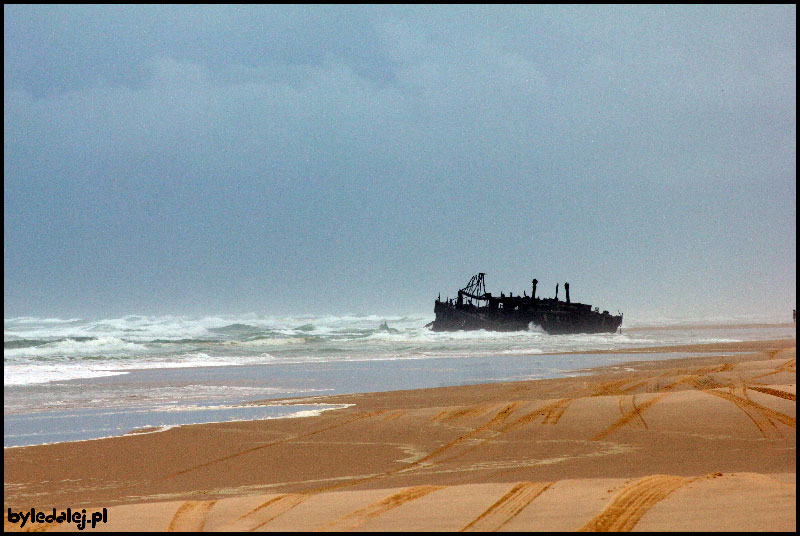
<point x="78" y="379"/>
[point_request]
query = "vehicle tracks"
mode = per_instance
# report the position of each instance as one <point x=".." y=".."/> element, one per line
<point x="632" y="502"/>
<point x="273" y="443"/>
<point x="774" y="392"/>
<point x="275" y="507"/>
<point x="428" y="459"/>
<point x="634" y="413"/>
<point x="762" y="416"/>
<point x="359" y="517"/>
<point x="550" y="414"/>
<point x="190" y="517"/>
<point x="507" y="507"/>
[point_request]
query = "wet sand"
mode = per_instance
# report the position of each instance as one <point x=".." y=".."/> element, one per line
<point x="703" y="443"/>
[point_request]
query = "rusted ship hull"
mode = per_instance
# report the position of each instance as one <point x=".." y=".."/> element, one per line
<point x="554" y="322"/>
<point x="519" y="313"/>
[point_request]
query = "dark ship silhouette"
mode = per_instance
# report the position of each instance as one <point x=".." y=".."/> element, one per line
<point x="516" y="313"/>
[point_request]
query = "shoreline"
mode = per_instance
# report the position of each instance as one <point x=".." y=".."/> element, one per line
<point x="605" y="433"/>
<point x="739" y="346"/>
<point x="213" y="411"/>
<point x="710" y="325"/>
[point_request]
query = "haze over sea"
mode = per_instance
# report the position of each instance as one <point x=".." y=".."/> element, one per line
<point x="72" y="379"/>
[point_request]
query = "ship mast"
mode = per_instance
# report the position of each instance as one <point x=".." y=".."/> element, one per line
<point x="475" y="289"/>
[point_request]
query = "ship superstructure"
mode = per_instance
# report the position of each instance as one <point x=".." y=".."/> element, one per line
<point x="474" y="308"/>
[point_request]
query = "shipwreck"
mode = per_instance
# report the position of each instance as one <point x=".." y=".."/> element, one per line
<point x="474" y="309"/>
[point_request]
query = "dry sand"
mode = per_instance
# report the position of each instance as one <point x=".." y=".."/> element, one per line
<point x="705" y="443"/>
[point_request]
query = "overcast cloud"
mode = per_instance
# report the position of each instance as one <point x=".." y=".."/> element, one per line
<point x="332" y="159"/>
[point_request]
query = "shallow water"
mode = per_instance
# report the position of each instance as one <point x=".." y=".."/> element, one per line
<point x="114" y="405"/>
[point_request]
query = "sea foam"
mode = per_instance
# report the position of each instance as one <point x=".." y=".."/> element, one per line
<point x="40" y="350"/>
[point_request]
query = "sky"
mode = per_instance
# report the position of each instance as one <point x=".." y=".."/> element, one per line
<point x="363" y="159"/>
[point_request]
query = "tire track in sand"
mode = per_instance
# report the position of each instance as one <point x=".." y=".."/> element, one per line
<point x="789" y="366"/>
<point x="273" y="443"/>
<point x="761" y="416"/>
<point x="634" y="413"/>
<point x="359" y="517"/>
<point x="608" y="388"/>
<point x="426" y="460"/>
<point x="471" y="411"/>
<point x="550" y="414"/>
<point x="630" y="403"/>
<point x="190" y="517"/>
<point x="774" y="392"/>
<point x="501" y="416"/>
<point x="497" y="420"/>
<point x="632" y="502"/>
<point x="275" y="507"/>
<point x="507" y="507"/>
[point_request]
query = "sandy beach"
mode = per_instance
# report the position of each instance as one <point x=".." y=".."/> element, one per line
<point x="353" y="267"/>
<point x="702" y="443"/>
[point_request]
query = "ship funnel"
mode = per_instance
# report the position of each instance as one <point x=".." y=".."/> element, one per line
<point x="566" y="289"/>
<point x="533" y="290"/>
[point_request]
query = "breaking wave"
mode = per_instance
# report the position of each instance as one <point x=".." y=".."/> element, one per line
<point x="40" y="350"/>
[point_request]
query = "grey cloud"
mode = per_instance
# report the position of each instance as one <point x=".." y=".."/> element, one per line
<point x="339" y="150"/>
